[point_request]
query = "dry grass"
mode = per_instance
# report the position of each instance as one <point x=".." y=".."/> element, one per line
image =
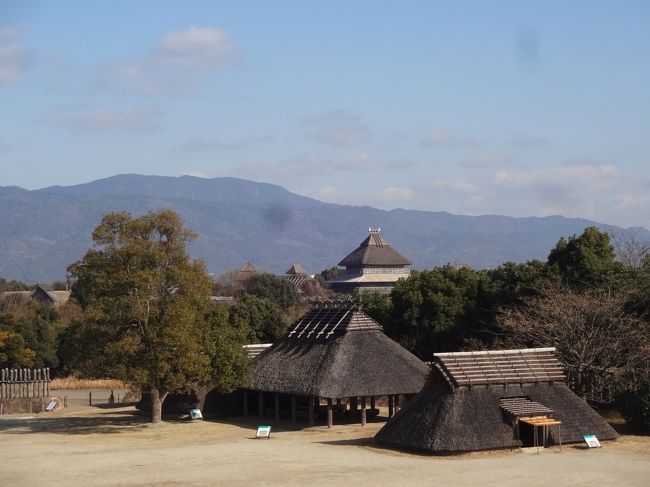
<point x="76" y="383"/>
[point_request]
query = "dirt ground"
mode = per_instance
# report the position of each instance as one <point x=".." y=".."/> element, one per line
<point x="111" y="446"/>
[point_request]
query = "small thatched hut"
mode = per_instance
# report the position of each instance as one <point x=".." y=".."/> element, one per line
<point x="333" y="353"/>
<point x="490" y="400"/>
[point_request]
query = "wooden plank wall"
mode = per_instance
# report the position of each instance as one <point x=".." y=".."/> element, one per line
<point x="22" y="383"/>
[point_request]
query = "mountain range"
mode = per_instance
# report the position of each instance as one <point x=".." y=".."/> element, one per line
<point x="43" y="231"/>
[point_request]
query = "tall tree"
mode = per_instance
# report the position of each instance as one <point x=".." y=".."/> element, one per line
<point x="585" y="260"/>
<point x="147" y="300"/>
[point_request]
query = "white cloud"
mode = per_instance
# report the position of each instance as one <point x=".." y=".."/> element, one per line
<point x="138" y="119"/>
<point x="442" y="138"/>
<point x="175" y="64"/>
<point x="13" y="55"/>
<point x="597" y="176"/>
<point x="338" y="128"/>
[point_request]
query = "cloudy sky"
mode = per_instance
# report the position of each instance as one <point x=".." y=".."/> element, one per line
<point x="517" y="108"/>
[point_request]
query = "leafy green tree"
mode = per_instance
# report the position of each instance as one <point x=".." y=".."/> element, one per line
<point x="585" y="260"/>
<point x="432" y="309"/>
<point x="265" y="318"/>
<point x="330" y="273"/>
<point x="274" y="288"/>
<point x="13" y="352"/>
<point x="146" y="301"/>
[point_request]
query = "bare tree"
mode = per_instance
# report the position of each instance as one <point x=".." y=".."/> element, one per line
<point x="631" y="250"/>
<point x="601" y="345"/>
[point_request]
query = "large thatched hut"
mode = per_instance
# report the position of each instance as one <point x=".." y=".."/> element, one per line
<point x="334" y="354"/>
<point x="494" y="399"/>
<point x="373" y="266"/>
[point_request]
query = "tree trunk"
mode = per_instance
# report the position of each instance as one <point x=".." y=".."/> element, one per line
<point x="157" y="399"/>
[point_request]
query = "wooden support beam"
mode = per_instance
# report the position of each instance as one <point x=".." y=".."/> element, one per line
<point x="277" y="407"/>
<point x="338" y="402"/>
<point x="330" y="419"/>
<point x="260" y="401"/>
<point x="293" y="409"/>
<point x="397" y="405"/>
<point x="353" y="404"/>
<point x="390" y="406"/>
<point x="245" y="403"/>
<point x="363" y="410"/>
<point x="310" y="409"/>
<point x="372" y="402"/>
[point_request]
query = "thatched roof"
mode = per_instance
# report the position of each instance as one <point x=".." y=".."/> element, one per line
<point x="296" y="269"/>
<point x="336" y="352"/>
<point x="449" y="418"/>
<point x="500" y="367"/>
<point x="374" y="251"/>
<point x="248" y="267"/>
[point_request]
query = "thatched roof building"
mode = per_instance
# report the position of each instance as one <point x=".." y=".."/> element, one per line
<point x="490" y="400"/>
<point x="336" y="352"/>
<point x="373" y="266"/>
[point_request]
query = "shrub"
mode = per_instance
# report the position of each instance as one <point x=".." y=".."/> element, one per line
<point x="634" y="405"/>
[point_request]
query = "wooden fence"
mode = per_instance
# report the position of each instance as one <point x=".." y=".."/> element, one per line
<point x="20" y="383"/>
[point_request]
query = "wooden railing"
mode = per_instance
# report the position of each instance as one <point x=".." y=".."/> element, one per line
<point x="19" y="383"/>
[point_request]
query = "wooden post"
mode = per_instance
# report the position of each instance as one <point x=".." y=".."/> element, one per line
<point x="390" y="406"/>
<point x="353" y="404"/>
<point x="338" y="402"/>
<point x="245" y="403"/>
<point x="260" y="401"/>
<point x="277" y="407"/>
<point x="90" y="398"/>
<point x="330" y="419"/>
<point x="372" y="403"/>
<point x="397" y="405"/>
<point x="363" y="410"/>
<point x="310" y="409"/>
<point x="293" y="409"/>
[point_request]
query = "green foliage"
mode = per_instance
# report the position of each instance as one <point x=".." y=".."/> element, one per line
<point x="330" y="273"/>
<point x="634" y="404"/>
<point x="12" y="285"/>
<point x="378" y="306"/>
<point x="13" y="352"/>
<point x="36" y="325"/>
<point x="224" y="344"/>
<point x="145" y="302"/>
<point x="264" y="318"/>
<point x="273" y="288"/>
<point x="432" y="308"/>
<point x="585" y="260"/>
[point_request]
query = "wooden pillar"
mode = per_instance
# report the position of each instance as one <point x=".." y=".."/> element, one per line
<point x="390" y="406"/>
<point x="353" y="404"/>
<point x="260" y="400"/>
<point x="293" y="409"/>
<point x="397" y="407"/>
<point x="372" y="402"/>
<point x="310" y="410"/>
<point x="245" y="403"/>
<point x="330" y="419"/>
<point x="277" y="407"/>
<point x="338" y="402"/>
<point x="363" y="410"/>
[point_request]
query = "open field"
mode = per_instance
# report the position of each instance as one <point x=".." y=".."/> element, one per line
<point x="101" y="446"/>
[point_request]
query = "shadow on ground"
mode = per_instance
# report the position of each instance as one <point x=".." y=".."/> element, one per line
<point x="104" y="422"/>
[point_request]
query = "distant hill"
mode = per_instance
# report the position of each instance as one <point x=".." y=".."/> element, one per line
<point x="43" y="231"/>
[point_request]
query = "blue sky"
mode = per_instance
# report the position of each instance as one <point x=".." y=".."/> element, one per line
<point x="516" y="108"/>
